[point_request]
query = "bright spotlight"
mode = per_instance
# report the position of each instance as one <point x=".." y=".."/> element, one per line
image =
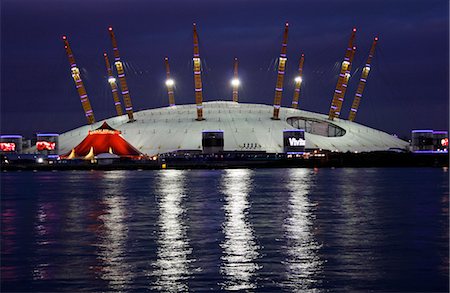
<point x="170" y="82"/>
<point x="235" y="82"/>
<point x="298" y="79"/>
<point x="111" y="80"/>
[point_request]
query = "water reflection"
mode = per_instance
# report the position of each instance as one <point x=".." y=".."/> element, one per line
<point x="45" y="229"/>
<point x="444" y="266"/>
<point x="8" y="237"/>
<point x="239" y="248"/>
<point x="304" y="267"/>
<point x="358" y="227"/>
<point x="74" y="236"/>
<point x="172" y="264"/>
<point x="114" y="233"/>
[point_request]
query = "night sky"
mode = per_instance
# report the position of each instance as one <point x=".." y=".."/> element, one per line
<point x="407" y="86"/>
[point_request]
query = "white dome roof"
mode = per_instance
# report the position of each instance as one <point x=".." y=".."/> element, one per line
<point x="175" y="128"/>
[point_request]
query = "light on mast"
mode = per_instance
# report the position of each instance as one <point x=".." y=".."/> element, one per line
<point x="170" y="82"/>
<point x="235" y="82"/>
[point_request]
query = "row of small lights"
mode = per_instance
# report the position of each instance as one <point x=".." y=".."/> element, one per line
<point x="234" y="82"/>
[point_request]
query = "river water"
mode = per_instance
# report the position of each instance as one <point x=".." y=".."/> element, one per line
<point x="264" y="230"/>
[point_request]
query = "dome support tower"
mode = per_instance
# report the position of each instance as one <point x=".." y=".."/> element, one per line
<point x="197" y="77"/>
<point x="113" y="84"/>
<point x="280" y="79"/>
<point x="120" y="72"/>
<point x="362" y="82"/>
<point x="169" y="83"/>
<point x="298" y="83"/>
<point x="344" y="76"/>
<point x="235" y="82"/>
<point x="79" y="83"/>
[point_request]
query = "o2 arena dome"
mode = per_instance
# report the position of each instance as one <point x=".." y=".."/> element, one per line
<point x="245" y="127"/>
<point x="230" y="125"/>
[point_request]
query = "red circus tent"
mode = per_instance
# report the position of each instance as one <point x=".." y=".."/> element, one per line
<point x="104" y="139"/>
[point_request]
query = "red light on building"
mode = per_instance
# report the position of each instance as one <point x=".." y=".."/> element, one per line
<point x="444" y="142"/>
<point x="7" y="146"/>
<point x="45" y="145"/>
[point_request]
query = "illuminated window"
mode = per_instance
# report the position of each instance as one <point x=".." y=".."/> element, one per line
<point x="315" y="126"/>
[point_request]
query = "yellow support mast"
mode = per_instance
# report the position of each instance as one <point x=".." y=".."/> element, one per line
<point x="362" y="82"/>
<point x="79" y="83"/>
<point x="169" y="83"/>
<point x="113" y="84"/>
<point x="197" y="77"/>
<point x="235" y="81"/>
<point x="344" y="76"/>
<point x="280" y="79"/>
<point x="298" y="83"/>
<point x="121" y="74"/>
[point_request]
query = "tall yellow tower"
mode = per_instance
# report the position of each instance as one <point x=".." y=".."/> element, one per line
<point x="235" y="81"/>
<point x="280" y="78"/>
<point x="79" y="83"/>
<point x="362" y="82"/>
<point x="121" y="74"/>
<point x="298" y="82"/>
<point x="344" y="76"/>
<point x="113" y="84"/>
<point x="197" y="76"/>
<point x="169" y="83"/>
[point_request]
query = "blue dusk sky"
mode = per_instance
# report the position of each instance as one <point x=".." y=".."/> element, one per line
<point x="408" y="86"/>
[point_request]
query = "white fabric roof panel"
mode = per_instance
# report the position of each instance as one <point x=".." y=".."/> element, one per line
<point x="245" y="126"/>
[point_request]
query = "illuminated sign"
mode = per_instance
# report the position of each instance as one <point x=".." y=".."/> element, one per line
<point x="7" y="146"/>
<point x="45" y="145"/>
<point x="296" y="142"/>
<point x="104" y="131"/>
<point x="444" y="142"/>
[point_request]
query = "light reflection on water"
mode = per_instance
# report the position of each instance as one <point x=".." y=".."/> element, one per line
<point x="358" y="220"/>
<point x="74" y="232"/>
<point x="172" y="264"/>
<point x="304" y="266"/>
<point x="239" y="248"/>
<point x="8" y="245"/>
<point x="113" y="233"/>
<point x="294" y="230"/>
<point x="444" y="267"/>
<point x="45" y="227"/>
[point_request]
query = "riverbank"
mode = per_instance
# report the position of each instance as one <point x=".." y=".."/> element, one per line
<point x="239" y="160"/>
